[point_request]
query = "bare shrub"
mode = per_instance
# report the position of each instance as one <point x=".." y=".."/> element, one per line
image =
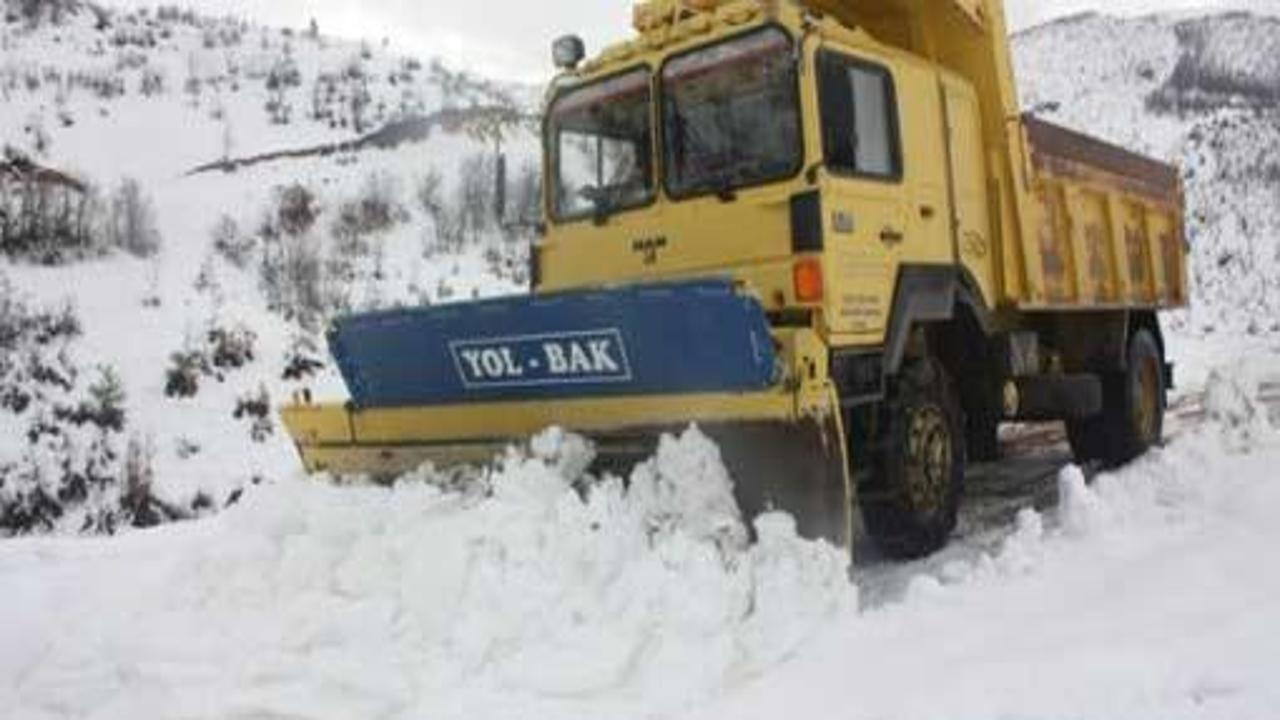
<point x="231" y="348"/>
<point x="296" y="209"/>
<point x="376" y="209"/>
<point x="141" y="508"/>
<point x="182" y="378"/>
<point x="448" y="228"/>
<point x="429" y="193"/>
<point x="256" y="408"/>
<point x="476" y="200"/>
<point x="292" y="278"/>
<point x="132" y="223"/>
<point x="232" y="245"/>
<point x="152" y="83"/>
<point x="348" y="231"/>
<point x="526" y="196"/>
<point x="379" y="202"/>
<point x="223" y="349"/>
<point x="186" y="448"/>
<point x="302" y="359"/>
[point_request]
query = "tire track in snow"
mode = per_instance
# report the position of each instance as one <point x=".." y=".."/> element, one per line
<point x="1025" y="477"/>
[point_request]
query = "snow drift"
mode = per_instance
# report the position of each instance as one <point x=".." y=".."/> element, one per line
<point x="539" y="591"/>
<point x="538" y="588"/>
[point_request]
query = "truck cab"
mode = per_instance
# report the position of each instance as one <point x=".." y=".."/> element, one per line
<point x="802" y="156"/>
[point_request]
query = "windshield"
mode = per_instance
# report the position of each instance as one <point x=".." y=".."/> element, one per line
<point x="601" y="141"/>
<point x="731" y="115"/>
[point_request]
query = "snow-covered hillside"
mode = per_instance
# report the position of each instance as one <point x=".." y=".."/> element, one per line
<point x="208" y="335"/>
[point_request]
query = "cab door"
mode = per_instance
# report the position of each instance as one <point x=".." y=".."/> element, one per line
<point x="884" y="197"/>
<point x="975" y="246"/>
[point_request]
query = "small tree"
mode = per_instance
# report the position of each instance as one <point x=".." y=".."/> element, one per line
<point x="429" y="193"/>
<point x="476" y="180"/>
<point x="140" y="507"/>
<point x="526" y="198"/>
<point x="132" y="225"/>
<point x="106" y="400"/>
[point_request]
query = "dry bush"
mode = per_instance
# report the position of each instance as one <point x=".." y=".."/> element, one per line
<point x="303" y="359"/>
<point x="292" y="277"/>
<point x="296" y="210"/>
<point x="232" y="245"/>
<point x="476" y="198"/>
<point x="256" y="408"/>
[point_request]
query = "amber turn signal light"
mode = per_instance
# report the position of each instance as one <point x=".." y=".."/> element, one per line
<point x="808" y="280"/>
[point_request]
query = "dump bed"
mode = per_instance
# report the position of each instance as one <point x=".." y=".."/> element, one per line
<point x="1106" y="224"/>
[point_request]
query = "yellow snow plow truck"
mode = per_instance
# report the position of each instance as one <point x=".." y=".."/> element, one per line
<point x="822" y="231"/>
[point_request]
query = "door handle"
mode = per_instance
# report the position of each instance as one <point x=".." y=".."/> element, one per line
<point x="890" y="236"/>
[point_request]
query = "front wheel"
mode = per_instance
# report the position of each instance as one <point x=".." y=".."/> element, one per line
<point x="910" y="494"/>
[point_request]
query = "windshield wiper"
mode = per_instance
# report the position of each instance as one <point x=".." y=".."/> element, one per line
<point x="602" y="204"/>
<point x="603" y="211"/>
<point x="727" y="190"/>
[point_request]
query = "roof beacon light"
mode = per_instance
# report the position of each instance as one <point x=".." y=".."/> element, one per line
<point x="568" y="51"/>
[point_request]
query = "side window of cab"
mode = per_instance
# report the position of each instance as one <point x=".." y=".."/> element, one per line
<point x="860" y="131"/>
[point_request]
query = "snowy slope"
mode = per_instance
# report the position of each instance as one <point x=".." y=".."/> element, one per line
<point x="75" y="99"/>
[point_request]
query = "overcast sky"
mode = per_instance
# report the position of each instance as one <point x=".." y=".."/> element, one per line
<point x="511" y="38"/>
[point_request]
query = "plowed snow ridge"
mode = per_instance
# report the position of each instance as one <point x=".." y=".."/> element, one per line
<point x="319" y="601"/>
<point x="1146" y="595"/>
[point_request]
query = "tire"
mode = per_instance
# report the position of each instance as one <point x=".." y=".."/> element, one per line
<point x="910" y="494"/>
<point x="1134" y="402"/>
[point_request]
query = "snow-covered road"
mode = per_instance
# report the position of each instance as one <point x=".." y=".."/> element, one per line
<point x="1149" y="593"/>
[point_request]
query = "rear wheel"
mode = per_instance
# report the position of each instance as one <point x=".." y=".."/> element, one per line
<point x="1134" y="401"/>
<point x="910" y="494"/>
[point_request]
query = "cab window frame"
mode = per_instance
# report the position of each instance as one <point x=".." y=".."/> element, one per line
<point x="848" y="62"/>
<point x="551" y="149"/>
<point x="801" y="150"/>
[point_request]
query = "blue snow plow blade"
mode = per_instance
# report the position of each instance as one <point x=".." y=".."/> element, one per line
<point x="695" y="337"/>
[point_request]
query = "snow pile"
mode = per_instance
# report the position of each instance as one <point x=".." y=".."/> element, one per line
<point x="539" y="591"/>
<point x="1148" y="594"/>
<point x="535" y="594"/>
